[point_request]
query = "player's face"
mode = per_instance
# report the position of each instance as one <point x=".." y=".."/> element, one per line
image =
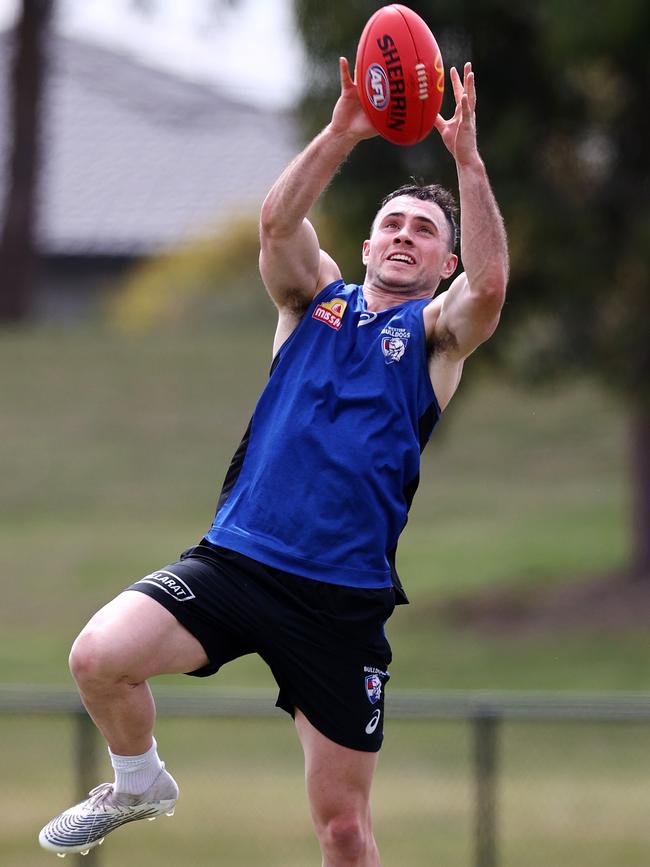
<point x="408" y="251"/>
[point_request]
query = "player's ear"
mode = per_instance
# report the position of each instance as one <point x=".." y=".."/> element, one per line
<point x="365" y="252"/>
<point x="449" y="266"/>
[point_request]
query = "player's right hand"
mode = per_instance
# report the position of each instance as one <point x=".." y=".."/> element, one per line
<point x="348" y="117"/>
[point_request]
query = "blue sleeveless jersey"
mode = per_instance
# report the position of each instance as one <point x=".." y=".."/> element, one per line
<point x="322" y="482"/>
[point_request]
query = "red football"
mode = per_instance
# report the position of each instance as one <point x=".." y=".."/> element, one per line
<point x="399" y="75"/>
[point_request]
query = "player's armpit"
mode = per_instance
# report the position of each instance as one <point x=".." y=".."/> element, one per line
<point x="465" y="318"/>
<point x="295" y="304"/>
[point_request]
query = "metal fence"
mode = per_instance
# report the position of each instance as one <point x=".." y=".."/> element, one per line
<point x="485" y="713"/>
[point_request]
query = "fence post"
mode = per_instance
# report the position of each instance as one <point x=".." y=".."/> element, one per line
<point x="87" y="769"/>
<point x="485" y="763"/>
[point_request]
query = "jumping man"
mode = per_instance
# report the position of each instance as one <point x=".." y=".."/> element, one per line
<point x="299" y="563"/>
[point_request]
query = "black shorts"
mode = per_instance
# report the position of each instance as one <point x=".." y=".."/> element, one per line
<point x="325" y="644"/>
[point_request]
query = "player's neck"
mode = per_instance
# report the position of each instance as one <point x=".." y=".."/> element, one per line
<point x="380" y="298"/>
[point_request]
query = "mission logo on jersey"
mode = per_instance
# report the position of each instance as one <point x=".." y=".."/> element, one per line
<point x="331" y="312"/>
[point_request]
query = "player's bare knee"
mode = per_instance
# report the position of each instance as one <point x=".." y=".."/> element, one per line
<point x="91" y="660"/>
<point x="84" y="660"/>
<point x="347" y="835"/>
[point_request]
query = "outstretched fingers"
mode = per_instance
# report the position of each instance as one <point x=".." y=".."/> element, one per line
<point x="344" y="71"/>
<point x="459" y="131"/>
<point x="469" y="85"/>
<point x="465" y="111"/>
<point x="456" y="83"/>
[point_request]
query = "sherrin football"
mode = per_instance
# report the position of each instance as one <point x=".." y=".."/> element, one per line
<point x="399" y="75"/>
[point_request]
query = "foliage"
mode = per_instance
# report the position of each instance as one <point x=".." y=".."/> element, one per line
<point x="203" y="280"/>
<point x="214" y="278"/>
<point x="563" y="128"/>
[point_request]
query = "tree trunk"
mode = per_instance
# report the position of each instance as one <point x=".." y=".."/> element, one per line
<point x="641" y="492"/>
<point x="17" y="253"/>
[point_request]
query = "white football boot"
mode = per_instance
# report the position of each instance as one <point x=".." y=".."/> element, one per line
<point x="84" y="826"/>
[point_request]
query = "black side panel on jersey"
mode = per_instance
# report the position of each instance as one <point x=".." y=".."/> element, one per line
<point x="238" y="458"/>
<point x="425" y="428"/>
<point x="427" y="423"/>
<point x="235" y="468"/>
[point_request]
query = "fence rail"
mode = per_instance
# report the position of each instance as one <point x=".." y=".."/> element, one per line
<point x="485" y="712"/>
<point x="402" y="704"/>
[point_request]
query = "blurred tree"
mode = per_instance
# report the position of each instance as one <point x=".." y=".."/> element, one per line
<point x="205" y="283"/>
<point x="17" y="253"/>
<point x="564" y="130"/>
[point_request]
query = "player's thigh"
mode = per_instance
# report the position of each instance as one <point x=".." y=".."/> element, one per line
<point x="338" y="778"/>
<point x="135" y="636"/>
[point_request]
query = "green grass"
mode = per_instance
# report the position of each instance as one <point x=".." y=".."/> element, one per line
<point x="114" y="449"/>
<point x="566" y="794"/>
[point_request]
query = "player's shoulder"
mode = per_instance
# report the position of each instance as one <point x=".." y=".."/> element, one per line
<point x="296" y="307"/>
<point x="329" y="271"/>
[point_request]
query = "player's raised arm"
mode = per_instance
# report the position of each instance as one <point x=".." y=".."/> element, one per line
<point x="470" y="309"/>
<point x="292" y="265"/>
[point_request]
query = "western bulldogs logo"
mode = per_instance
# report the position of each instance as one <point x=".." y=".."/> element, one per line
<point x="373" y="688"/>
<point x="393" y="343"/>
<point x="393" y="348"/>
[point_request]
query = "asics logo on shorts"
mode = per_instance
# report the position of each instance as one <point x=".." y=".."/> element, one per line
<point x="373" y="722"/>
<point x="170" y="583"/>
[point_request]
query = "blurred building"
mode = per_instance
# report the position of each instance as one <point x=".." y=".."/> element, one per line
<point x="135" y="161"/>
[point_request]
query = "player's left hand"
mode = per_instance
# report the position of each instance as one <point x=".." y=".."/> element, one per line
<point x="459" y="132"/>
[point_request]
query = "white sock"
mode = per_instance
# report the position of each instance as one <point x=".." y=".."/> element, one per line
<point x="135" y="774"/>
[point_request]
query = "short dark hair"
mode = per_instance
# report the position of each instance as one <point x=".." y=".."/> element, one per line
<point x="431" y="193"/>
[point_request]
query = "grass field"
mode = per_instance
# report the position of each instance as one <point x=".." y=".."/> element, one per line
<point x="114" y="449"/>
<point x="576" y="796"/>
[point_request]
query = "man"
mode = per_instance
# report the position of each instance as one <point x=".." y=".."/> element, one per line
<point x="298" y="565"/>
